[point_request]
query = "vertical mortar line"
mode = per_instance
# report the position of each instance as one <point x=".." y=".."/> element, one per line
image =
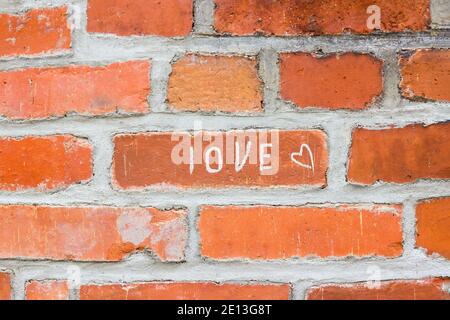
<point x="300" y="288"/>
<point x="269" y="74"/>
<point x="339" y="135"/>
<point x="103" y="151"/>
<point x="159" y="78"/>
<point x="391" y="98"/>
<point x="78" y="22"/>
<point x="409" y="227"/>
<point x="203" y="17"/>
<point x="193" y="249"/>
<point x="18" y="284"/>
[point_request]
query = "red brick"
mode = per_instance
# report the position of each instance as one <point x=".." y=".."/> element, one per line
<point x="35" y="32"/>
<point x="433" y="226"/>
<point x="90" y="233"/>
<point x="400" y="155"/>
<point x="433" y="289"/>
<point x="306" y="17"/>
<point x="5" y="286"/>
<point x="169" y="18"/>
<point x="215" y="83"/>
<point x="266" y="233"/>
<point x="44" y="163"/>
<point x="87" y="90"/>
<point x="143" y="160"/>
<point x="346" y="81"/>
<point x="426" y="75"/>
<point x="47" y="290"/>
<point x="185" y="291"/>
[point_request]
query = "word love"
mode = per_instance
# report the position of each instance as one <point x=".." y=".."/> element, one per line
<point x="221" y="159"/>
<point x="233" y="148"/>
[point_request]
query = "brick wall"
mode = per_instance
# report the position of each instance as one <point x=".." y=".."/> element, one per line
<point x="224" y="149"/>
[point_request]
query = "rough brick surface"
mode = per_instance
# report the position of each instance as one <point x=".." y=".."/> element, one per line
<point x="47" y="290"/>
<point x="52" y="92"/>
<point x="35" y="32"/>
<point x="185" y="291"/>
<point x="306" y="17"/>
<point x="44" y="163"/>
<point x="433" y="225"/>
<point x="341" y="81"/>
<point x="434" y="289"/>
<point x="215" y="83"/>
<point x="287" y="232"/>
<point x="5" y="286"/>
<point x="90" y="233"/>
<point x="143" y="160"/>
<point x="169" y="18"/>
<point x="426" y="75"/>
<point x="400" y="155"/>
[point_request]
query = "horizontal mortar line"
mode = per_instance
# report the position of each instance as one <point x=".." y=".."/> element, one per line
<point x="424" y="113"/>
<point x="139" y="269"/>
<point x="265" y="196"/>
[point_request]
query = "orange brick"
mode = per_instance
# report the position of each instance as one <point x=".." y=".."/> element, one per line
<point x="5" y="286"/>
<point x="426" y="75"/>
<point x="90" y="233"/>
<point x="47" y="290"/>
<point x="185" y="291"/>
<point x="306" y="17"/>
<point x="338" y="81"/>
<point x="400" y="155"/>
<point x="433" y="226"/>
<point x="44" y="163"/>
<point x="146" y="159"/>
<point x="169" y="18"/>
<point x="266" y="233"/>
<point x="37" y="31"/>
<point x="215" y="83"/>
<point x="54" y="92"/>
<point x="433" y="289"/>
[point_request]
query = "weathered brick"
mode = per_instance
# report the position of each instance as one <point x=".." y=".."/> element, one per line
<point x="400" y="155"/>
<point x="266" y="233"/>
<point x="426" y="75"/>
<point x="339" y="81"/>
<point x="90" y="233"/>
<point x="306" y="17"/>
<point x="185" y="291"/>
<point x="5" y="286"/>
<point x="433" y="226"/>
<point x="169" y="18"/>
<point x="215" y="83"/>
<point x="432" y="289"/>
<point x="37" y="31"/>
<point x="44" y="162"/>
<point x="54" y="92"/>
<point x="47" y="290"/>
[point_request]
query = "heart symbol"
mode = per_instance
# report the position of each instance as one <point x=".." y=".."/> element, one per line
<point x="299" y="154"/>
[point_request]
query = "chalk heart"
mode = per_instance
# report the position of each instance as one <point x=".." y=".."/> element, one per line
<point x="297" y="157"/>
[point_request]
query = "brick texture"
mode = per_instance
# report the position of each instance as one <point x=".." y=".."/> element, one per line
<point x="44" y="162"/>
<point x="266" y="233"/>
<point x="433" y="289"/>
<point x="169" y="18"/>
<point x="348" y="81"/>
<point x="215" y="83"/>
<point x="5" y="286"/>
<point x="426" y="75"/>
<point x="305" y="17"/>
<point x="185" y="291"/>
<point x="400" y="155"/>
<point x="433" y="223"/>
<point x="90" y="233"/>
<point x="39" y="31"/>
<point x="47" y="290"/>
<point x="54" y="92"/>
